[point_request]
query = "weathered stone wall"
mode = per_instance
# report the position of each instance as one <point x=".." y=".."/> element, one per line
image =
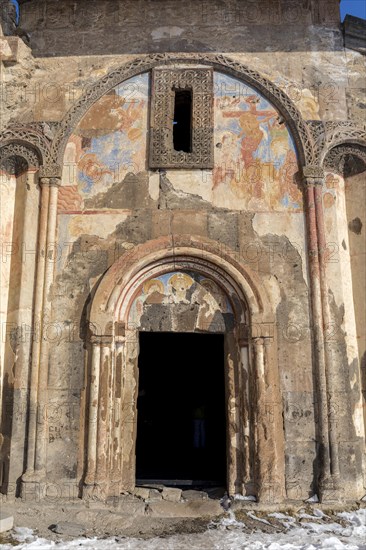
<point x="251" y="204"/>
<point x="127" y="26"/>
<point x="355" y="193"/>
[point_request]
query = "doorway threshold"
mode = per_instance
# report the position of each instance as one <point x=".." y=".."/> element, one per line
<point x="179" y="482"/>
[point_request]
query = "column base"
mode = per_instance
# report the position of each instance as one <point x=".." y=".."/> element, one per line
<point x="97" y="491"/>
<point x="33" y="485"/>
<point x="330" y="490"/>
<point x="270" y="494"/>
<point x="34" y="476"/>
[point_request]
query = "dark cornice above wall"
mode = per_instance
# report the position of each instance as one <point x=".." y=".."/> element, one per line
<point x="354" y="29"/>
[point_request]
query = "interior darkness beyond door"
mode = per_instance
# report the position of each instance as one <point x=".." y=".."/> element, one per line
<point x="181" y="422"/>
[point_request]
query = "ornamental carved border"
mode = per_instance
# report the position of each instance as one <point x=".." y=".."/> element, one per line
<point x="335" y="160"/>
<point x="345" y="131"/>
<point x="164" y="83"/>
<point x="313" y="139"/>
<point x="16" y="158"/>
<point x="298" y="127"/>
<point x="36" y="136"/>
<point x="330" y="134"/>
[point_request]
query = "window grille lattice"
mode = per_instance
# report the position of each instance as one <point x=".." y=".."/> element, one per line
<point x="165" y="83"/>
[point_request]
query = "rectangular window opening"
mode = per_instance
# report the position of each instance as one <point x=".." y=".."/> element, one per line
<point x="182" y="123"/>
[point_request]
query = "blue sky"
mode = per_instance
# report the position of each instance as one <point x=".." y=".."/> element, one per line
<point x="352" y="7"/>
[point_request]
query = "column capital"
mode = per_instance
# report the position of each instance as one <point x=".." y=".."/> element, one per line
<point x="313" y="175"/>
<point x="50" y="171"/>
<point x="51" y="182"/>
<point x="101" y="340"/>
<point x="258" y="341"/>
<point x="262" y="340"/>
<point x="263" y="330"/>
<point x="243" y="334"/>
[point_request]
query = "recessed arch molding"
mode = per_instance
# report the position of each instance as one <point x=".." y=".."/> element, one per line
<point x="313" y="139"/>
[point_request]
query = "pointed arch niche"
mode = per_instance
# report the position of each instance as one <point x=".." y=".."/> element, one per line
<point x="20" y="199"/>
<point x="206" y="292"/>
<point x="345" y="200"/>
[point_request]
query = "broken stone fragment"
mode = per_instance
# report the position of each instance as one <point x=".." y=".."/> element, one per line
<point x="142" y="492"/>
<point x="155" y="494"/>
<point x="172" y="494"/>
<point x="191" y="494"/>
<point x="68" y="528"/>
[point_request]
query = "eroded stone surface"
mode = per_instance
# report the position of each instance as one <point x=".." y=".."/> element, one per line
<point x="97" y="245"/>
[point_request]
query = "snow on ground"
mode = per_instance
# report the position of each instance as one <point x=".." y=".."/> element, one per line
<point x="227" y="534"/>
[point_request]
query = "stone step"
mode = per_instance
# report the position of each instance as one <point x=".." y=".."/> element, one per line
<point x="6" y="522"/>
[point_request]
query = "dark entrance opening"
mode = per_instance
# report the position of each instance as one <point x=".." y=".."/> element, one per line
<point x="182" y="124"/>
<point x="181" y="420"/>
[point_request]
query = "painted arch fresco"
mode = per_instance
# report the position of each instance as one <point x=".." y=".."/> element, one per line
<point x="115" y="232"/>
<point x="255" y="159"/>
<point x="162" y="298"/>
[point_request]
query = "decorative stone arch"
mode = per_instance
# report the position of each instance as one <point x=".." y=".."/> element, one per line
<point x="336" y="157"/>
<point x="305" y="145"/>
<point x="16" y="158"/>
<point x="255" y="441"/>
<point x="20" y="160"/>
<point x="36" y="137"/>
<point x="24" y="150"/>
<point x="342" y="133"/>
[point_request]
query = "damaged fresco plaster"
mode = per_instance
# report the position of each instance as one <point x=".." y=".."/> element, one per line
<point x="264" y="247"/>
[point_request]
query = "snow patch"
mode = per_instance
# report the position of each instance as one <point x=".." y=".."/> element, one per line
<point x="227" y="534"/>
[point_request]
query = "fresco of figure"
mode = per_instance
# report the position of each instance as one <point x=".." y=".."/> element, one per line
<point x="250" y="121"/>
<point x="178" y="285"/>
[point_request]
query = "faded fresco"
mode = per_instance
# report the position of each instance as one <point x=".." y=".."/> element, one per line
<point x="182" y="296"/>
<point x="108" y="144"/>
<point x="255" y="159"/>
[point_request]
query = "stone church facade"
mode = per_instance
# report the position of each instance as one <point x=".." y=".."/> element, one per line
<point x="249" y="223"/>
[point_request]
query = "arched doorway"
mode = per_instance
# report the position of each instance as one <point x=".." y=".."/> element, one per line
<point x="191" y="293"/>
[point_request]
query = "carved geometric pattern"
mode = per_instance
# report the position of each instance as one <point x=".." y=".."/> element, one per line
<point x="327" y="135"/>
<point x="336" y="157"/>
<point x="164" y="84"/>
<point x="299" y="129"/>
<point x="32" y="135"/>
<point x="317" y="130"/>
<point x="312" y="139"/>
<point x="50" y="170"/>
<point x="344" y="132"/>
<point x="16" y="158"/>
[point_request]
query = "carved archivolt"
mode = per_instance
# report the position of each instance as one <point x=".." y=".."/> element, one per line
<point x="344" y="132"/>
<point x="16" y="158"/>
<point x="336" y="157"/>
<point x="299" y="129"/>
<point x="312" y="139"/>
<point x="36" y="136"/>
<point x="317" y="129"/>
<point x="327" y="135"/>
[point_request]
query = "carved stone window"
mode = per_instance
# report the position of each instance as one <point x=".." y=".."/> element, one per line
<point x="181" y="129"/>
